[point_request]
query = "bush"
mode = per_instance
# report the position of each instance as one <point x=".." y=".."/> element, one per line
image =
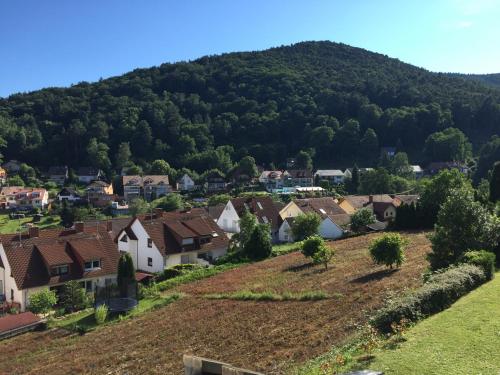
<point x="361" y="218"/>
<point x="100" y="314"/>
<point x="483" y="259"/>
<point x="74" y="297"/>
<point x="388" y="250"/>
<point x="259" y="245"/>
<point x="305" y="225"/>
<point x="42" y="301"/>
<point x="440" y="291"/>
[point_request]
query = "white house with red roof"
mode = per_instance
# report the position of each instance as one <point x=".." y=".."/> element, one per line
<point x="165" y="239"/>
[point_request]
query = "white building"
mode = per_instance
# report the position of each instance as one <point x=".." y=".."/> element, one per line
<point x="161" y="240"/>
<point x="334" y="176"/>
<point x="185" y="183"/>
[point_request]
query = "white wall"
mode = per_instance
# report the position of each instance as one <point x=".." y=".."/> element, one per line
<point x="229" y="221"/>
<point x="328" y="229"/>
<point x="9" y="282"/>
<point x="285" y="232"/>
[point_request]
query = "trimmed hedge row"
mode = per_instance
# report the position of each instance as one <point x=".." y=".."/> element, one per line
<point x="439" y="292"/>
<point x="482" y="258"/>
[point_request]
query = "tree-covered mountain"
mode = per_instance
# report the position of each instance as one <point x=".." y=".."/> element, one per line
<point x="336" y="102"/>
<point x="489" y="79"/>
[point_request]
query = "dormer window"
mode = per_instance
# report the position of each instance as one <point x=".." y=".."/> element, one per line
<point x="92" y="265"/>
<point x="124" y="238"/>
<point x="63" y="269"/>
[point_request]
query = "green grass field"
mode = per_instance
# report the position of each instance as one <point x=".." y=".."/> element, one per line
<point x="465" y="339"/>
<point x="12" y="226"/>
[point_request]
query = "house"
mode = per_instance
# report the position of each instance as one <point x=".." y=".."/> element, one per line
<point x="417" y="171"/>
<point x="148" y="187"/>
<point x="185" y="183"/>
<point x="382" y="205"/>
<point x="384" y="211"/>
<point x="333" y="176"/>
<point x="348" y="171"/>
<point x="18" y="197"/>
<point x="118" y="209"/>
<point x="99" y="193"/>
<point x="12" y="166"/>
<point x="272" y="180"/>
<point x="58" y="174"/>
<point x="215" y="182"/>
<point x="88" y="174"/>
<point x="334" y="220"/>
<point x="360" y="201"/>
<point x="346" y="206"/>
<point x="47" y="259"/>
<point x="165" y="239"/>
<point x="298" y="177"/>
<point x="3" y="176"/>
<point x="262" y="207"/>
<point x="436" y="167"/>
<point x="68" y="194"/>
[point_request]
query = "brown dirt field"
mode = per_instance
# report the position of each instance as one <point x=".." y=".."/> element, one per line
<point x="265" y="336"/>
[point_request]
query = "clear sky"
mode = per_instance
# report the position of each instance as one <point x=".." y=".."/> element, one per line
<point x="60" y="42"/>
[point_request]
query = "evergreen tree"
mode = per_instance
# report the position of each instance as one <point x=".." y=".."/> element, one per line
<point x="126" y="274"/>
<point x="495" y="183"/>
<point x="259" y="244"/>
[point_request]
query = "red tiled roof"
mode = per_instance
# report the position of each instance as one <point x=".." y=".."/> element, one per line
<point x="140" y="276"/>
<point x="262" y="207"/>
<point x="322" y="206"/>
<point x="29" y="264"/>
<point x="10" y="322"/>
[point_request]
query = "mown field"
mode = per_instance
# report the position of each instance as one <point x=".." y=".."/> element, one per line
<point x="8" y="226"/>
<point x="270" y="336"/>
<point x="465" y="339"/>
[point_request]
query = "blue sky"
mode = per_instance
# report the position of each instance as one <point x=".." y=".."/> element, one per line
<point x="60" y="42"/>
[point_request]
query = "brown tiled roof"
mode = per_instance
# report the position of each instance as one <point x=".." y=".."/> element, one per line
<point x="324" y="207"/>
<point x="215" y="211"/>
<point x="407" y="198"/>
<point x="145" y="180"/>
<point x="342" y="220"/>
<point x="360" y="201"/>
<point x="262" y="207"/>
<point x="166" y="231"/>
<point x="29" y="264"/>
<point x="300" y="173"/>
<point x="87" y="249"/>
<point x="10" y="322"/>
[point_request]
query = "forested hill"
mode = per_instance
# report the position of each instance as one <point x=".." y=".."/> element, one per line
<point x="208" y="113"/>
<point x="489" y="79"/>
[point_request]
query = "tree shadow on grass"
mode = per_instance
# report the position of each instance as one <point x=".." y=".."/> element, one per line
<point x="300" y="267"/>
<point x="375" y="276"/>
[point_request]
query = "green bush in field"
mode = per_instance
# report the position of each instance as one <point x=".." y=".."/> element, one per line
<point x="439" y="292"/>
<point x="388" y="250"/>
<point x="42" y="302"/>
<point x="100" y="314"/>
<point x="483" y="259"/>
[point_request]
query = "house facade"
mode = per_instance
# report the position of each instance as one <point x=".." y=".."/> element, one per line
<point x="148" y="187"/>
<point x="436" y="167"/>
<point x="333" y="176"/>
<point x="3" y="176"/>
<point x="272" y="180"/>
<point x="58" y="174"/>
<point x="86" y="175"/>
<point x="185" y="183"/>
<point x="18" y="197"/>
<point x="68" y="194"/>
<point x="215" y="183"/>
<point x="334" y="220"/>
<point x="99" y="193"/>
<point x="298" y="177"/>
<point x="262" y="207"/>
<point x="162" y="240"/>
<point x="47" y="259"/>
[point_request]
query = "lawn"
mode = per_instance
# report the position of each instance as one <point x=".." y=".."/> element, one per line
<point x="12" y="226"/>
<point x="256" y="332"/>
<point x="465" y="339"/>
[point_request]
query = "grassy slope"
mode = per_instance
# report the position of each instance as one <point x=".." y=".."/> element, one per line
<point x="11" y="226"/>
<point x="464" y="339"/>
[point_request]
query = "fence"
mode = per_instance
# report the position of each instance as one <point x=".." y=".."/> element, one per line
<point x="203" y="366"/>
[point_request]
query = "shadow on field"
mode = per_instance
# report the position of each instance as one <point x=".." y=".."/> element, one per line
<point x="375" y="276"/>
<point x="300" y="267"/>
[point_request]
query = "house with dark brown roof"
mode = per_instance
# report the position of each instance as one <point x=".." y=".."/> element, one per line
<point x="263" y="207"/>
<point x="47" y="259"/>
<point x="165" y="239"/>
<point x="298" y="177"/>
<point x="58" y="174"/>
<point x="382" y="205"/>
<point x="88" y="174"/>
<point x="334" y="220"/>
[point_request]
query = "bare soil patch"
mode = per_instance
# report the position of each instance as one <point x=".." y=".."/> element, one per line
<point x="265" y="336"/>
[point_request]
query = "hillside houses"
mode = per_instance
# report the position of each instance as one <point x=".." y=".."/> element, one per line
<point x="164" y="239"/>
<point x="333" y="176"/>
<point x="18" y="197"/>
<point x="58" y="174"/>
<point x="186" y="183"/>
<point x="334" y="220"/>
<point x="86" y="175"/>
<point x="47" y="259"/>
<point x="148" y="187"/>
<point x="263" y="207"/>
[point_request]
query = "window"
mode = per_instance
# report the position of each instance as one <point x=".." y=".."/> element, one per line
<point x="150" y="262"/>
<point x="59" y="270"/>
<point x="265" y="220"/>
<point x="150" y="242"/>
<point x="92" y="264"/>
<point x="124" y="238"/>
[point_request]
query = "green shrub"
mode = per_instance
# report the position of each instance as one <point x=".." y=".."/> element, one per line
<point x="481" y="258"/>
<point x="168" y="273"/>
<point x="439" y="292"/>
<point x="388" y="250"/>
<point x="42" y="302"/>
<point x="100" y="314"/>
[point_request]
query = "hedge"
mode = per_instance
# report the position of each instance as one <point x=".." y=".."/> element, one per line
<point x="482" y="258"/>
<point x="439" y="292"/>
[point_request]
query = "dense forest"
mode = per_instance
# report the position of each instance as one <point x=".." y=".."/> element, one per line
<point x="337" y="103"/>
<point x="489" y="79"/>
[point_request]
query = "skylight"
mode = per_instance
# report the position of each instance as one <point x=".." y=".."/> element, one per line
<point x="260" y="205"/>
<point x="322" y="211"/>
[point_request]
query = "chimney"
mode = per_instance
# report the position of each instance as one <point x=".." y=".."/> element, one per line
<point x="158" y="212"/>
<point x="34" y="232"/>
<point x="370" y="198"/>
<point x="79" y="226"/>
<point x="109" y="226"/>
